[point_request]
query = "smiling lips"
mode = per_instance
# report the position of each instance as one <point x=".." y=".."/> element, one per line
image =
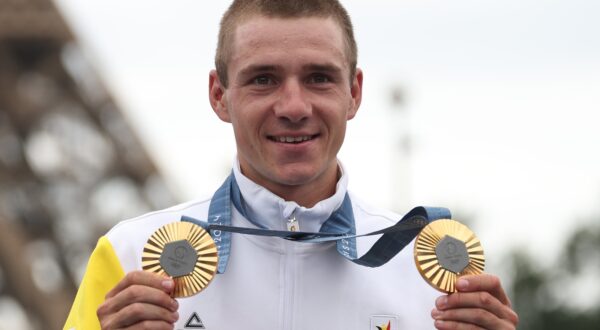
<point x="292" y="139"/>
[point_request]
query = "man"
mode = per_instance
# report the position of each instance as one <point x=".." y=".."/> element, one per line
<point x="286" y="80"/>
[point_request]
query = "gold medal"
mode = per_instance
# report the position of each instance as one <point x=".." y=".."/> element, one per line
<point x="185" y="252"/>
<point x="446" y="249"/>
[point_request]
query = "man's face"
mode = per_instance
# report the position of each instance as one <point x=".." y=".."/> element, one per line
<point x="288" y="99"/>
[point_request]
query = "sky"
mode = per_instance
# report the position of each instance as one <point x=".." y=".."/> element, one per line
<point x="500" y="105"/>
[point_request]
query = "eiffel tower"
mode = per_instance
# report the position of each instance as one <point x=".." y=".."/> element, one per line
<point x="70" y="165"/>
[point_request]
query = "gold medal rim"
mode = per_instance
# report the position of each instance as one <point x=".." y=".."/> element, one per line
<point x="427" y="262"/>
<point x="206" y="263"/>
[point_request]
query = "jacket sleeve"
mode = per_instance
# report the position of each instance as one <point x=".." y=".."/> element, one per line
<point x="103" y="272"/>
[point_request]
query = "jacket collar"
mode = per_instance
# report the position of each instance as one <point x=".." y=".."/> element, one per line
<point x="273" y="211"/>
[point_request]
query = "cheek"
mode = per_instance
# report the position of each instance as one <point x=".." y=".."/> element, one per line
<point x="247" y="134"/>
<point x="340" y="135"/>
<point x="340" y="129"/>
<point x="242" y="132"/>
<point x="249" y="110"/>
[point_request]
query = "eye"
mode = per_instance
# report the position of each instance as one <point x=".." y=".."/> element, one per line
<point x="263" y="80"/>
<point x="319" y="78"/>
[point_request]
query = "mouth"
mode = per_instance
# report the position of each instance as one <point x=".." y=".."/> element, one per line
<point x="292" y="139"/>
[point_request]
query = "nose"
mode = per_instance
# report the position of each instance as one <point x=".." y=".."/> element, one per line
<point x="292" y="104"/>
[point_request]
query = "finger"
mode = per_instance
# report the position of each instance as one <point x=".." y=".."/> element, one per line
<point x="143" y="278"/>
<point x="480" y="299"/>
<point x="138" y="294"/>
<point x="461" y="317"/>
<point x="151" y="325"/>
<point x="136" y="313"/>
<point x="451" y="325"/>
<point x="483" y="282"/>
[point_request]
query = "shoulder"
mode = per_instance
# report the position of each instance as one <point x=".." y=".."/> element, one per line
<point x="371" y="216"/>
<point x="368" y="218"/>
<point x="129" y="236"/>
<point x="161" y="217"/>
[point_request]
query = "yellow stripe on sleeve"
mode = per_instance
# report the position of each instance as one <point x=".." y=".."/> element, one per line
<point x="103" y="272"/>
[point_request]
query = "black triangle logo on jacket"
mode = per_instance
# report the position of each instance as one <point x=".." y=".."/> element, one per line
<point x="194" y="322"/>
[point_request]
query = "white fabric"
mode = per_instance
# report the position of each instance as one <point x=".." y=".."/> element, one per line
<point x="273" y="211"/>
<point x="271" y="283"/>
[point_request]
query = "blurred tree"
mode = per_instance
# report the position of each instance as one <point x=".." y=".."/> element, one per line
<point x="549" y="298"/>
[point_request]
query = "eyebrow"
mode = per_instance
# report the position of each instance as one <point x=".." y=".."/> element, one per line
<point x="329" y="68"/>
<point x="252" y="69"/>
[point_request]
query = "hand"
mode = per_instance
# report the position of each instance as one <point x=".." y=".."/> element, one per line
<point x="141" y="300"/>
<point x="480" y="303"/>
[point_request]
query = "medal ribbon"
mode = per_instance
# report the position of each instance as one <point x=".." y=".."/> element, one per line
<point x="339" y="227"/>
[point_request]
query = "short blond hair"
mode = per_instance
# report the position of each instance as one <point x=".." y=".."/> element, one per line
<point x="241" y="10"/>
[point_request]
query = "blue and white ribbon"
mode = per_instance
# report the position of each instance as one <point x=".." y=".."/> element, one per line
<point x="339" y="227"/>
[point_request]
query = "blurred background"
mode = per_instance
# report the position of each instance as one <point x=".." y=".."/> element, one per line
<point x="486" y="107"/>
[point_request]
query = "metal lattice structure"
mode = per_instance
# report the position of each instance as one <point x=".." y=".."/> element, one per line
<point x="70" y="166"/>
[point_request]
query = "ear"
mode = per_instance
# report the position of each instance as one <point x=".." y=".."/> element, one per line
<point x="218" y="99"/>
<point x="356" y="93"/>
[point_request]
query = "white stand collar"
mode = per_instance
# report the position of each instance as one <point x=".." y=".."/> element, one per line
<point x="273" y="211"/>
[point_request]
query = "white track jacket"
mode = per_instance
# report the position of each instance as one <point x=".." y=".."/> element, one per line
<point x="272" y="283"/>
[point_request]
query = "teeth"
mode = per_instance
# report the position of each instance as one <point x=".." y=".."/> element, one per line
<point x="293" y="139"/>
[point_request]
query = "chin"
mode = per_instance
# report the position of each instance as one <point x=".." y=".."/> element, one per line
<point x="298" y="176"/>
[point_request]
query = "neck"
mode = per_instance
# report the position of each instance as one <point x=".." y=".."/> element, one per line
<point x="305" y="194"/>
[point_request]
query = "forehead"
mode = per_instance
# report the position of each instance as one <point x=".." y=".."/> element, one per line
<point x="260" y="35"/>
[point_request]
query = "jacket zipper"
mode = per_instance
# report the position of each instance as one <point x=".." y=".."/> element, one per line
<point x="289" y="276"/>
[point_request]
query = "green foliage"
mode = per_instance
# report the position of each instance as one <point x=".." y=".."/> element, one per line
<point x="537" y="292"/>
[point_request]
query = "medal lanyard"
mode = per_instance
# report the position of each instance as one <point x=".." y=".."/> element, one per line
<point x="339" y="227"/>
